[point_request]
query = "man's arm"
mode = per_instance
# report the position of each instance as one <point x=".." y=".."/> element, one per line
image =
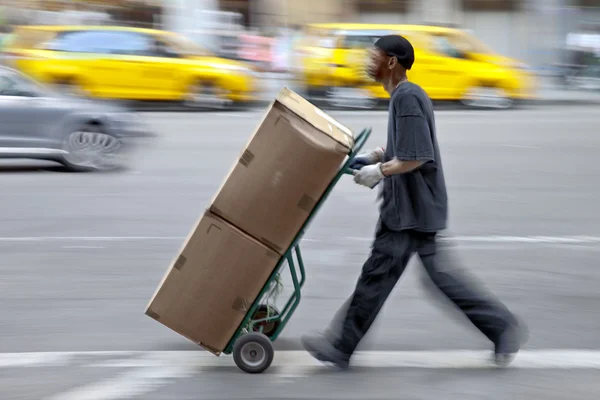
<point x="395" y="166"/>
<point x="370" y="175"/>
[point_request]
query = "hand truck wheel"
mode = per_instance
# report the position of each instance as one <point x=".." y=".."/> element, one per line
<point x="268" y="328"/>
<point x="253" y="352"/>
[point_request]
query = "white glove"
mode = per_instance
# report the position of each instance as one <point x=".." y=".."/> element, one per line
<point x="375" y="155"/>
<point x="368" y="158"/>
<point x="369" y="175"/>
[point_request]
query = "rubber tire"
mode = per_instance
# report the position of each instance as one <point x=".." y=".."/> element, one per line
<point x="466" y="104"/>
<point x="203" y="107"/>
<point x="263" y="308"/>
<point x="78" y="169"/>
<point x="260" y="339"/>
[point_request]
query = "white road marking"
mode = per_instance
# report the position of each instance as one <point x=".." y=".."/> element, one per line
<point x="298" y="360"/>
<point x="514" y="121"/>
<point x="147" y="372"/>
<point x="474" y="238"/>
<point x="83" y="247"/>
<point x="494" y="239"/>
<point x="128" y="385"/>
<point x="86" y="238"/>
<point x="516" y="146"/>
<point x="12" y="360"/>
<point x="491" y="239"/>
<point x="528" y="239"/>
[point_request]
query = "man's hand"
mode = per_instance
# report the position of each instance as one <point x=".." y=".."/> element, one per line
<point x="369" y="175"/>
<point x="368" y="158"/>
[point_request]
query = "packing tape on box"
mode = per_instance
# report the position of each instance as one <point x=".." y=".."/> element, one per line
<point x="152" y="314"/>
<point x="181" y="260"/>
<point x="240" y="304"/>
<point x="306" y="203"/>
<point x="246" y="158"/>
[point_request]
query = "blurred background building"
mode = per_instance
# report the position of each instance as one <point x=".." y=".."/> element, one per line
<point x="534" y="31"/>
<point x="543" y="34"/>
<point x="82" y="12"/>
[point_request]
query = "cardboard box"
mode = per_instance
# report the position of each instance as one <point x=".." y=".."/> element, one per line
<point x="285" y="168"/>
<point x="212" y="284"/>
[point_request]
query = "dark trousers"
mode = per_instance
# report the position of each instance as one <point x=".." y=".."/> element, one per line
<point x="390" y="254"/>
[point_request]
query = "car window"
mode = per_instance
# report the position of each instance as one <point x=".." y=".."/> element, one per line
<point x="7" y="86"/>
<point x="354" y="39"/>
<point x="133" y="44"/>
<point x="13" y="84"/>
<point x="456" y="45"/>
<point x="444" y="44"/>
<point x="359" y="41"/>
<point x="366" y="39"/>
<point x="471" y="44"/>
<point x="103" y="42"/>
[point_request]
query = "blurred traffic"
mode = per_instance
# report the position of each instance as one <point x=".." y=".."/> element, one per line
<point x="453" y="65"/>
<point x="214" y="55"/>
<point x="124" y="63"/>
<point x="41" y="123"/>
<point x="200" y="57"/>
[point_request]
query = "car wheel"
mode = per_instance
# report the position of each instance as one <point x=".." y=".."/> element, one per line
<point x="487" y="97"/>
<point x="91" y="149"/>
<point x="205" y="96"/>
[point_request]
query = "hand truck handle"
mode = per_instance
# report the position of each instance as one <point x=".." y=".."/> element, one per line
<point x="360" y="141"/>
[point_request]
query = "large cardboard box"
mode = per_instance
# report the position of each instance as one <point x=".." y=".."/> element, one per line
<point x="211" y="285"/>
<point x="294" y="154"/>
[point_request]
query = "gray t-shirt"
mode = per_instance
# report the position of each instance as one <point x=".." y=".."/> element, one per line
<point x="416" y="200"/>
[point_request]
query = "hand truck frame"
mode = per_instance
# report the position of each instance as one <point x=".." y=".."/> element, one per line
<point x="251" y="344"/>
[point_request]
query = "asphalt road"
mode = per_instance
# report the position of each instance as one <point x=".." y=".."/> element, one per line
<point x="83" y="253"/>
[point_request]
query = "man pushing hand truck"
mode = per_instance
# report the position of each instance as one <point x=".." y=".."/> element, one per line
<point x="413" y="210"/>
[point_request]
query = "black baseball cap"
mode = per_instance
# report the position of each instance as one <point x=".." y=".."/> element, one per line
<point x="399" y="47"/>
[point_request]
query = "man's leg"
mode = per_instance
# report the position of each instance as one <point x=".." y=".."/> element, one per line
<point x="486" y="312"/>
<point x="335" y="326"/>
<point x="380" y="274"/>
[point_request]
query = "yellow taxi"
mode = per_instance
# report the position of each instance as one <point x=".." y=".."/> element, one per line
<point x="450" y="65"/>
<point x="128" y="63"/>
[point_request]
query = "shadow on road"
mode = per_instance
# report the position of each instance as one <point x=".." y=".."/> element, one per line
<point x="30" y="167"/>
